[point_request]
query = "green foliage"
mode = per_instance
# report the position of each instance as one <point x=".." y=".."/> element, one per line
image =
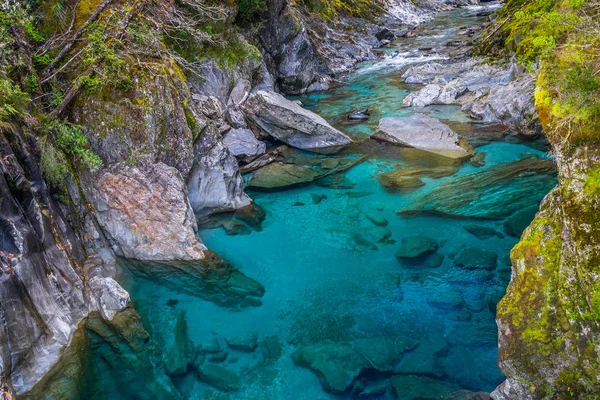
<point x="252" y="11"/>
<point x="53" y="163"/>
<point x="329" y="9"/>
<point x="13" y="101"/>
<point x="71" y="140"/>
<point x="592" y="188"/>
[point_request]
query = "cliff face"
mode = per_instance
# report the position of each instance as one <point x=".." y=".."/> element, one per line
<point x="112" y="117"/>
<point x="548" y="320"/>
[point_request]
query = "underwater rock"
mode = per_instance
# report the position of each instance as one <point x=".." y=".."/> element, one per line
<point x="433" y="260"/>
<point x="233" y="227"/>
<point x="468" y="395"/>
<point x="219" y="377"/>
<point x="212" y="346"/>
<point x="247" y="342"/>
<point x="363" y="242"/>
<point x="243" y="144"/>
<point x="425" y="133"/>
<point x="252" y="215"/>
<point x="478" y="160"/>
<point x="171" y="334"/>
<point x="337" y="365"/>
<point x="317" y="198"/>
<point x="424" y="359"/>
<point x="482" y="232"/>
<point x="271" y="348"/>
<point x="477" y="258"/>
<point x="394" y="182"/>
<point x="280" y="176"/>
<point x="493" y="193"/>
<point x="415" y="246"/>
<point x="413" y="387"/>
<point x="516" y="223"/>
<point x="377" y="234"/>
<point x="286" y="121"/>
<point x="214" y="184"/>
<point x="210" y="278"/>
<point x="377" y="219"/>
<point x="217" y="357"/>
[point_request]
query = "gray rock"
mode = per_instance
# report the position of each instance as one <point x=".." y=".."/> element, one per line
<point x="385" y="33"/>
<point x="511" y="389"/>
<point x="242" y="143"/>
<point x="415" y="246"/>
<point x="247" y="341"/>
<point x="235" y="117"/>
<point x="214" y="184"/>
<point x="239" y="93"/>
<point x="286" y="121"/>
<point x="281" y="176"/>
<point x="425" y="133"/>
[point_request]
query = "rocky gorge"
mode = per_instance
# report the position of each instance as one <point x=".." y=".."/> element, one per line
<point x="189" y="211"/>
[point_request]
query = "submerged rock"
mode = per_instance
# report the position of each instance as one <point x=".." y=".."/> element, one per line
<point x="425" y="133"/>
<point x="248" y="341"/>
<point x="476" y="258"/>
<point x="338" y="364"/>
<point x="494" y="193"/>
<point x="482" y="232"/>
<point x="516" y="223"/>
<point x="360" y="115"/>
<point x="219" y="377"/>
<point x="281" y="176"/>
<point x="336" y="181"/>
<point x="287" y="121"/>
<point x="413" y="387"/>
<point x="415" y="246"/>
<point x="377" y="219"/>
<point x="399" y="182"/>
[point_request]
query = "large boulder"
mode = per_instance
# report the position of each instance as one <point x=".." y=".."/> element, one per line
<point x="415" y="246"/>
<point x="287" y="121"/>
<point x="243" y="144"/>
<point x="214" y="183"/>
<point x="425" y="133"/>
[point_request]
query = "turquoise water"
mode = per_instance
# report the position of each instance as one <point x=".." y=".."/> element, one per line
<point x="331" y="275"/>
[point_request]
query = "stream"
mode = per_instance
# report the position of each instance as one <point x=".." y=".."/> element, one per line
<point x="326" y="256"/>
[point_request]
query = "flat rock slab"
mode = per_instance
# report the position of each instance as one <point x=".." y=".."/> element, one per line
<point x="413" y="387"/>
<point x="424" y="133"/>
<point x="243" y="143"/>
<point x="287" y="121"/>
<point x="415" y="246"/>
<point x="476" y="258"/>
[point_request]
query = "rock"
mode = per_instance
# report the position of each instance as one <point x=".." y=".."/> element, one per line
<point x="247" y="342"/>
<point x="338" y="364"/>
<point x="394" y="182"/>
<point x="263" y="160"/>
<point x="492" y="193"/>
<point x="172" y="337"/>
<point x="384" y="43"/>
<point x="233" y="228"/>
<point x="413" y="387"/>
<point x="145" y="213"/>
<point x="243" y="144"/>
<point x="425" y="133"/>
<point x="286" y="121"/>
<point x="214" y="183"/>
<point x="481" y="232"/>
<point x="433" y="260"/>
<point x="478" y="160"/>
<point x="476" y="258"/>
<point x="235" y="117"/>
<point x="212" y="346"/>
<point x="385" y="34"/>
<point x="415" y="246"/>
<point x="271" y="347"/>
<point x="218" y="357"/>
<point x="377" y="219"/>
<point x="239" y="93"/>
<point x="252" y="215"/>
<point x="336" y="181"/>
<point x="281" y="176"/>
<point x="516" y="223"/>
<point x="317" y="198"/>
<point x="378" y="234"/>
<point x="467" y="395"/>
<point x="361" y="115"/>
<point x="219" y="377"/>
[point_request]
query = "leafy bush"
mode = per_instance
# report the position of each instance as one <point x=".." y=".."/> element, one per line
<point x="71" y="140"/>
<point x="53" y="163"/>
<point x="13" y="101"/>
